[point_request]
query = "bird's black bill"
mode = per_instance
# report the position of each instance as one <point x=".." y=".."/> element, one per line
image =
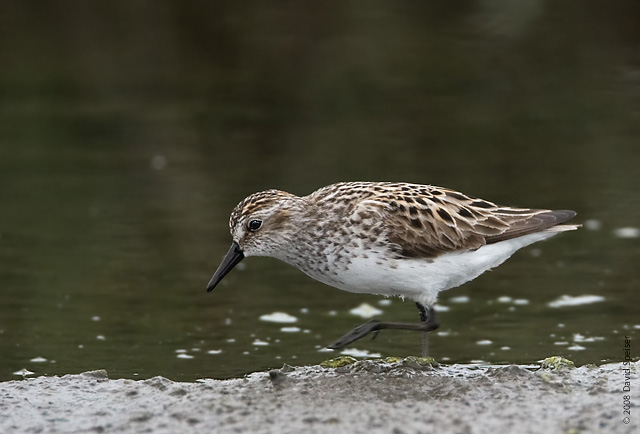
<point x="234" y="255"/>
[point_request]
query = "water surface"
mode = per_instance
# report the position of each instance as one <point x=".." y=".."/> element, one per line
<point x="129" y="133"/>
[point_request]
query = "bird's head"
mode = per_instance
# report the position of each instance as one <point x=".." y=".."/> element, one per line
<point x="260" y="225"/>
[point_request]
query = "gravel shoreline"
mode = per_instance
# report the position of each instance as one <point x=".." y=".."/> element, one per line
<point x="386" y="396"/>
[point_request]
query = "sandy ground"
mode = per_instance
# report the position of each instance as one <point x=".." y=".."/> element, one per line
<point x="406" y="396"/>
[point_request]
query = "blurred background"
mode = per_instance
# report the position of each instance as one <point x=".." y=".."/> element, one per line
<point x="129" y="130"/>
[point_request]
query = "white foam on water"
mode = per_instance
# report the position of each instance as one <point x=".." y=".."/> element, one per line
<point x="577" y="337"/>
<point x="459" y="299"/>
<point x="365" y="311"/>
<point x="158" y="162"/>
<point x="628" y="232"/>
<point x="592" y="225"/>
<point x="279" y="317"/>
<point x="184" y="356"/>
<point x="354" y="352"/>
<point x="567" y="300"/>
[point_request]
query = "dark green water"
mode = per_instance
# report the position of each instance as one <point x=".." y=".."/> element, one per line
<point x="128" y="132"/>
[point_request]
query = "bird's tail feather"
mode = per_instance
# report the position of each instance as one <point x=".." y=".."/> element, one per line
<point x="562" y="228"/>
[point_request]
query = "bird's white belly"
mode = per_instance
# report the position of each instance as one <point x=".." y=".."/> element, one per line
<point x="422" y="280"/>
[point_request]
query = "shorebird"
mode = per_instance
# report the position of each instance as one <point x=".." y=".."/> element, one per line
<point x="391" y="239"/>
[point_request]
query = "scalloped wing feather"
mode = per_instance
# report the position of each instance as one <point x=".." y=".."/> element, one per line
<point x="427" y="221"/>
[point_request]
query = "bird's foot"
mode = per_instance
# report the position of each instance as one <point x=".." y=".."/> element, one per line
<point x="355" y="334"/>
<point x="375" y="325"/>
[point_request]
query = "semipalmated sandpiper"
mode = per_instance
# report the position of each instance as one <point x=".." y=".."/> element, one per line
<point x="392" y="239"/>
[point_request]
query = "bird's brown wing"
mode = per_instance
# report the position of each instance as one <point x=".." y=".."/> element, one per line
<point x="427" y="221"/>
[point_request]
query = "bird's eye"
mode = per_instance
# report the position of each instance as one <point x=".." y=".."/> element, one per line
<point x="254" y="225"/>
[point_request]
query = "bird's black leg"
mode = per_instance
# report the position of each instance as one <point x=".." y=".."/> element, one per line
<point x="427" y="315"/>
<point x="427" y="324"/>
